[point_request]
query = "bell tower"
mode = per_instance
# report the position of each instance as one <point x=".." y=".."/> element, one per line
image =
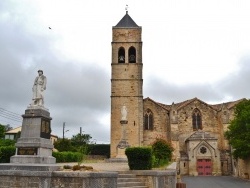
<point x="126" y="87"/>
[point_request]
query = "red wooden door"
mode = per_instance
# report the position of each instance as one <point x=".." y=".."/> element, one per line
<point x="204" y="167"/>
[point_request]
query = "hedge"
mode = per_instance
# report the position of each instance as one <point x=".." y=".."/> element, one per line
<point x="99" y="149"/>
<point x="67" y="156"/>
<point x="6" y="152"/>
<point x="139" y="158"/>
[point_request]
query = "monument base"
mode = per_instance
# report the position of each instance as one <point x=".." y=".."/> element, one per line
<point x="34" y="146"/>
<point x="27" y="159"/>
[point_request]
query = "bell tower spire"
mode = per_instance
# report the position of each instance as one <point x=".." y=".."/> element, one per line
<point x="126" y="86"/>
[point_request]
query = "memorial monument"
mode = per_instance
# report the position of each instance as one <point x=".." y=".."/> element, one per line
<point x="34" y="146"/>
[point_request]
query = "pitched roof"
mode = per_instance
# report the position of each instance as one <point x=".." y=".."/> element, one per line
<point x="228" y="105"/>
<point x="166" y="107"/>
<point x="126" y="21"/>
<point x="14" y="131"/>
<point x="180" y="105"/>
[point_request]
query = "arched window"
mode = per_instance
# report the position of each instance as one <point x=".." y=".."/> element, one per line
<point x="148" y="120"/>
<point x="132" y="55"/>
<point x="196" y="119"/>
<point x="121" y="55"/>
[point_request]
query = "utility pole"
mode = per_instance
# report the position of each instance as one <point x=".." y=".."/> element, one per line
<point x="63" y="129"/>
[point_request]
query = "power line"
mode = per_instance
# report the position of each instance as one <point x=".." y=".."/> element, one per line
<point x="10" y="115"/>
<point x="2" y="109"/>
<point x="9" y="122"/>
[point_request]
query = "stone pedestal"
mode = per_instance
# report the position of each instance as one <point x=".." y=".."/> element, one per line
<point x="34" y="145"/>
<point x="123" y="144"/>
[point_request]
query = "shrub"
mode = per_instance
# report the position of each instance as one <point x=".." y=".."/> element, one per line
<point x="162" y="152"/>
<point x="64" y="145"/>
<point x="139" y="158"/>
<point x="67" y="156"/>
<point x="6" y="152"/>
<point x="7" y="142"/>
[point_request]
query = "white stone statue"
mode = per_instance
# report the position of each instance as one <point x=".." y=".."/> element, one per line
<point x="124" y="113"/>
<point x="38" y="89"/>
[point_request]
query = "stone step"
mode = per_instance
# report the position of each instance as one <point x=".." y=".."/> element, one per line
<point x="126" y="176"/>
<point x="126" y="180"/>
<point x="136" y="187"/>
<point x="120" y="180"/>
<point x="130" y="184"/>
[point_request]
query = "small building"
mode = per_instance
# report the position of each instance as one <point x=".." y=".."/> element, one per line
<point x="13" y="134"/>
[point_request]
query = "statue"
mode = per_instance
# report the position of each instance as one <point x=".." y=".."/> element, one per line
<point x="124" y="113"/>
<point x="38" y="89"/>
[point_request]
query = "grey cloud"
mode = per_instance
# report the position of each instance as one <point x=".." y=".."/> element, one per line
<point x="235" y="86"/>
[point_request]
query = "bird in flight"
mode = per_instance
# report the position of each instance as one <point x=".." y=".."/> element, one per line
<point x="49" y="27"/>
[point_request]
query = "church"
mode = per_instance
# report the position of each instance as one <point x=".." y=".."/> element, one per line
<point x="193" y="127"/>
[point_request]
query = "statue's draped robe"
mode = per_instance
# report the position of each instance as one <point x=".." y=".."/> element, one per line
<point x="38" y="88"/>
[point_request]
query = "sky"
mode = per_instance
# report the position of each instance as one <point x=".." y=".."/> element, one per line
<point x="191" y="49"/>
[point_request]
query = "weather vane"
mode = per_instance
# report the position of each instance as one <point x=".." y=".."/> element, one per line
<point x="126" y="8"/>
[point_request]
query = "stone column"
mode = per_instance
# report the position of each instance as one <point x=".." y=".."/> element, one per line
<point x="123" y="144"/>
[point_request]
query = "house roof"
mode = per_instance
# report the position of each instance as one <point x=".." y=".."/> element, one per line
<point x="14" y="131"/>
<point x="126" y="21"/>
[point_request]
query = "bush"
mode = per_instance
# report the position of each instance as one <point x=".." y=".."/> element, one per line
<point x="162" y="152"/>
<point x="139" y="158"/>
<point x="7" y="142"/>
<point x="67" y="156"/>
<point x="100" y="149"/>
<point x="6" y="152"/>
<point x="64" y="145"/>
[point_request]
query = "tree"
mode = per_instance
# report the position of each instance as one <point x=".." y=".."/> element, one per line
<point x="8" y="128"/>
<point x="81" y="142"/>
<point x="162" y="151"/>
<point x="80" y="139"/>
<point x="63" y="145"/>
<point x="238" y="132"/>
<point x="2" y="131"/>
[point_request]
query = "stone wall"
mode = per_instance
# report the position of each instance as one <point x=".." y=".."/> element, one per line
<point x="161" y="124"/>
<point x="241" y="168"/>
<point x="57" y="179"/>
<point x="157" y="179"/>
<point x="60" y="179"/>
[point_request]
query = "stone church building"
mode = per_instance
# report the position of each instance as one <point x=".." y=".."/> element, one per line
<point x="195" y="128"/>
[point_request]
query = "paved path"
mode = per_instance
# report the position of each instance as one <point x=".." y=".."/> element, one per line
<point x="215" y="182"/>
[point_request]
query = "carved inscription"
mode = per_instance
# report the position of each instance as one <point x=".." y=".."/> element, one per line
<point x="27" y="151"/>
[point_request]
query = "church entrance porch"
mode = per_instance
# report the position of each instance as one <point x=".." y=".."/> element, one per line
<point x="204" y="167"/>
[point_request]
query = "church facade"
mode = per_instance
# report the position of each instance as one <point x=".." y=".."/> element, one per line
<point x="194" y="128"/>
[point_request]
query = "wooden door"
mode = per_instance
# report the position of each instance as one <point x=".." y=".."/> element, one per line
<point x="204" y="167"/>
